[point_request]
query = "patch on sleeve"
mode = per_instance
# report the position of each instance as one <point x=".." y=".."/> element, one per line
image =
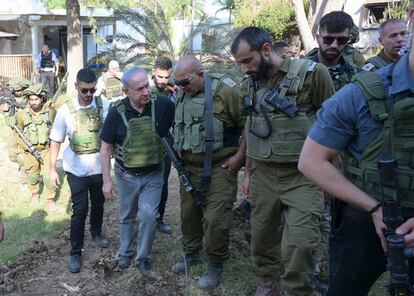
<point x="230" y="82"/>
<point x="368" y="67"/>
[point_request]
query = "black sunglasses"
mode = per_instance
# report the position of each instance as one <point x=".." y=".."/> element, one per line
<point x="328" y="40"/>
<point x="86" y="90"/>
<point x="184" y="82"/>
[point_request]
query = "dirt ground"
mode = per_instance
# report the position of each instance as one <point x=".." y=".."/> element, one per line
<point x="42" y="269"/>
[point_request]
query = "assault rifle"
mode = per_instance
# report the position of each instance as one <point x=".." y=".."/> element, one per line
<point x="29" y="145"/>
<point x="182" y="173"/>
<point x="399" y="284"/>
<point x="62" y="84"/>
<point x="13" y="104"/>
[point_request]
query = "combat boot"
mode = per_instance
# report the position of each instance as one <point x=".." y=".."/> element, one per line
<point x="189" y="261"/>
<point x="267" y="286"/>
<point x="35" y="198"/>
<point x="211" y="278"/>
<point x="51" y="205"/>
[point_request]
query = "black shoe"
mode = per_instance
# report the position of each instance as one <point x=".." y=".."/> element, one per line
<point x="124" y="262"/>
<point x="164" y="227"/>
<point x="144" y="266"/>
<point x="75" y="263"/>
<point x="211" y="278"/>
<point x="100" y="241"/>
<point x="190" y="260"/>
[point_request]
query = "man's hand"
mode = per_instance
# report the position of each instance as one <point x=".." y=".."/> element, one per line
<point x="379" y="227"/>
<point x="246" y="184"/>
<point x="54" y="177"/>
<point x="108" y="190"/>
<point x="234" y="163"/>
<point x="56" y="74"/>
<point x="407" y="229"/>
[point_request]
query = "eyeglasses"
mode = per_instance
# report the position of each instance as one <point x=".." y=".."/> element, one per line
<point x="184" y="82"/>
<point x="86" y="90"/>
<point x="328" y="40"/>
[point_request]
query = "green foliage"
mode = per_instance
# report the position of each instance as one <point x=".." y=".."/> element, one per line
<point x="55" y="4"/>
<point x="275" y="16"/>
<point x="398" y="10"/>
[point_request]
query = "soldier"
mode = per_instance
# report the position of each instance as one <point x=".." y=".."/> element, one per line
<point x="131" y="133"/>
<point x="81" y="119"/>
<point x="282" y="96"/>
<point x="364" y="122"/>
<point x="393" y="35"/>
<point x="109" y="85"/>
<point x="16" y="86"/>
<point x="207" y="131"/>
<point x="283" y="49"/>
<point x="160" y="77"/>
<point x="35" y="123"/>
<point x="333" y="36"/>
<point x="350" y="52"/>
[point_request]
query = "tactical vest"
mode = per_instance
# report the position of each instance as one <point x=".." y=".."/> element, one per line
<point x="287" y="135"/>
<point x="397" y="132"/>
<point x="37" y="126"/>
<point x="142" y="146"/>
<point x="189" y="122"/>
<point x="113" y="87"/>
<point x="87" y="122"/>
<point x="375" y="63"/>
<point x="46" y="60"/>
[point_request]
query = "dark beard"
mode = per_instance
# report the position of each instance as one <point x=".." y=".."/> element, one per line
<point x="261" y="72"/>
<point x="330" y="57"/>
<point x="36" y="107"/>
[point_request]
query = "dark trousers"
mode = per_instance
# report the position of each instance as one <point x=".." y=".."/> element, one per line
<point x="356" y="258"/>
<point x="164" y="194"/>
<point x="83" y="188"/>
<point x="47" y="79"/>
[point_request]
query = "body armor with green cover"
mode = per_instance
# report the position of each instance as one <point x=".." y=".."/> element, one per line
<point x="396" y="136"/>
<point x="141" y="146"/>
<point x="189" y="121"/>
<point x="113" y="86"/>
<point x="376" y="62"/>
<point x="87" y="122"/>
<point x="37" y="126"/>
<point x="282" y="136"/>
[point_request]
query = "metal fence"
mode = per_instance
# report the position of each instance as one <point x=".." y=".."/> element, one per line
<point x="16" y="66"/>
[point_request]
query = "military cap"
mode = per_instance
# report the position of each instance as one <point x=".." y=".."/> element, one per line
<point x="36" y="89"/>
<point x="17" y="84"/>
<point x="354" y="34"/>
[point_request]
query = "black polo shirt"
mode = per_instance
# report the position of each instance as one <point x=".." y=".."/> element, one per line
<point x="114" y="129"/>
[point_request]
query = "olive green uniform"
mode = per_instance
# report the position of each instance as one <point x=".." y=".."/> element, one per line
<point x="212" y="224"/>
<point x="277" y="187"/>
<point x="36" y="128"/>
<point x="376" y="62"/>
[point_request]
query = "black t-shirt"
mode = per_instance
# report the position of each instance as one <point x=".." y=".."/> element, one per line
<point x="114" y="129"/>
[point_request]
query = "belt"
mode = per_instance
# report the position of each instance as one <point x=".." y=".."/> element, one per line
<point x="138" y="173"/>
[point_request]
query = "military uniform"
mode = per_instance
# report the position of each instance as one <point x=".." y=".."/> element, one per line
<point x="374" y="103"/>
<point x="376" y="62"/>
<point x="274" y="141"/>
<point x="209" y="227"/>
<point x="342" y="73"/>
<point x="110" y="87"/>
<point x="36" y="128"/>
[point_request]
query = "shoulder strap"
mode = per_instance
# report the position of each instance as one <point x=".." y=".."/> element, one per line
<point x="374" y="93"/>
<point x="377" y="61"/>
<point x="71" y="106"/>
<point x="297" y="68"/>
<point x="120" y="107"/>
<point x="209" y="140"/>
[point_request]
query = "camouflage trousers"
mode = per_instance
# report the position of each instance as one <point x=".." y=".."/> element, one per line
<point x="278" y="190"/>
<point x="209" y="228"/>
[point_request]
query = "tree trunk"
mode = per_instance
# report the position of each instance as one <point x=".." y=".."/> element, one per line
<point x="74" y="41"/>
<point x="304" y="29"/>
<point x="321" y="7"/>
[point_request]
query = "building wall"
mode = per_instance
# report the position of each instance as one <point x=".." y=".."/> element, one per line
<point x="22" y="45"/>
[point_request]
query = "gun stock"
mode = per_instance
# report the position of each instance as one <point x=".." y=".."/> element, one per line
<point x="29" y="145"/>
<point x="62" y="84"/>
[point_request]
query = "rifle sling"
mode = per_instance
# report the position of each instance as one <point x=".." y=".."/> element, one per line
<point x="209" y="140"/>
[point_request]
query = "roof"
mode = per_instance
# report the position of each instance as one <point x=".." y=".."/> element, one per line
<point x="7" y="35"/>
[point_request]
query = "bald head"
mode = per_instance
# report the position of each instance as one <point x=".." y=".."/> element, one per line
<point x="189" y="75"/>
<point x="113" y="67"/>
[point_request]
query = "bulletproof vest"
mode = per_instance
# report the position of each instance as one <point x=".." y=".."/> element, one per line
<point x="113" y="87"/>
<point x="87" y="122"/>
<point x="47" y="61"/>
<point x="141" y="146"/>
<point x="189" y="122"/>
<point x="278" y="137"/>
<point x="375" y="63"/>
<point x="397" y="134"/>
<point x="37" y="126"/>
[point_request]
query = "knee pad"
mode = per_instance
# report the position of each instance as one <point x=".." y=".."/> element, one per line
<point x="32" y="178"/>
<point x="20" y="159"/>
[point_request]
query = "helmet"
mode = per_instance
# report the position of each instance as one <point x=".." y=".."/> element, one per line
<point x="17" y="84"/>
<point x="354" y="35"/>
<point x="36" y="89"/>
